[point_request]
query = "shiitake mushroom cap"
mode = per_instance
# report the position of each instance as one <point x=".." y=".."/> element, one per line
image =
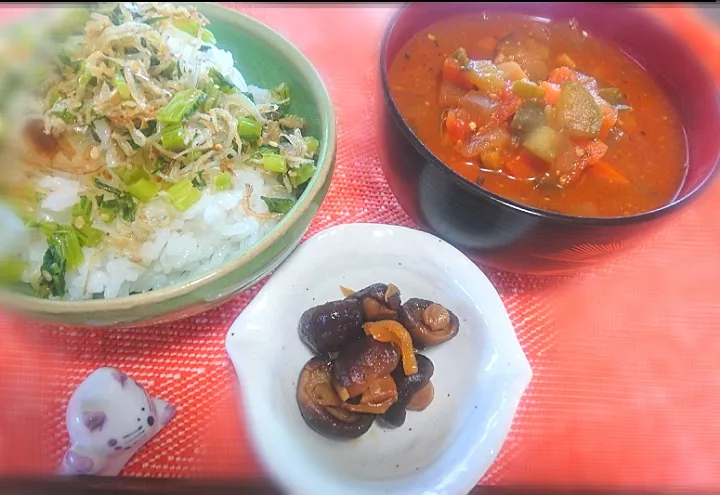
<point x="362" y="362"/>
<point x="328" y="327"/>
<point x="429" y="323"/>
<point x="379" y="301"/>
<point x="318" y="371"/>
<point x="407" y="386"/>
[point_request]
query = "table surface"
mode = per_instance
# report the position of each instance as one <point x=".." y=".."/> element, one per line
<point x="626" y="383"/>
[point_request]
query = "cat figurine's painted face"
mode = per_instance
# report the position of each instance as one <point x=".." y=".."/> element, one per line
<point x="109" y="418"/>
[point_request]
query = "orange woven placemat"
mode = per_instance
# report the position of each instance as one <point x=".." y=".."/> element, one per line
<point x="626" y="387"/>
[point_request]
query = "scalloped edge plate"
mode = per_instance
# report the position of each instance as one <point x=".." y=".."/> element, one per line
<point x="479" y="377"/>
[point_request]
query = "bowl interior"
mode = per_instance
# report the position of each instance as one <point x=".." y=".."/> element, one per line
<point x="265" y="59"/>
<point x="667" y="59"/>
<point x="478" y="379"/>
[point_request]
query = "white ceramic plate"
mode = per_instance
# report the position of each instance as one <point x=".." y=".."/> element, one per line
<point x="479" y="376"/>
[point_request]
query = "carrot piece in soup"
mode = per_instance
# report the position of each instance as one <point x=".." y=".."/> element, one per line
<point x="604" y="169"/>
<point x="552" y="91"/>
<point x="562" y="75"/>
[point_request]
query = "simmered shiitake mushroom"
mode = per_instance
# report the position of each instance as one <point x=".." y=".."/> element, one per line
<point x="379" y="301"/>
<point x="360" y="364"/>
<point x="320" y="406"/>
<point x="328" y="327"/>
<point x="429" y="323"/>
<point x="414" y="391"/>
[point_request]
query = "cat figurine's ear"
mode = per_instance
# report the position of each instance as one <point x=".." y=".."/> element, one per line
<point x="109" y="418"/>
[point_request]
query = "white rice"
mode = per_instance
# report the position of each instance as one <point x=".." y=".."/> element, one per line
<point x="182" y="244"/>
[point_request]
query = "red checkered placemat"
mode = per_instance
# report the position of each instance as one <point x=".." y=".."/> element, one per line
<point x="626" y="383"/>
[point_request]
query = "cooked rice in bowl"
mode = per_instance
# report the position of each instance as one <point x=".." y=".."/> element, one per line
<point x="144" y="158"/>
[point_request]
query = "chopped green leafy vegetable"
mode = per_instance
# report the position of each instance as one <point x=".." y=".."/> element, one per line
<point x="153" y="20"/>
<point x="223" y="181"/>
<point x="249" y="96"/>
<point x="144" y="189"/>
<point x="302" y="174"/>
<point x="282" y="91"/>
<point x="89" y="236"/>
<point x="125" y="204"/>
<point x="248" y="128"/>
<point x="183" y="195"/>
<point x="222" y="82"/>
<point x="199" y="181"/>
<point x="122" y="86"/>
<point x="312" y="144"/>
<point x="274" y="163"/>
<point x="180" y="106"/>
<point x="173" y="137"/>
<point x="52" y="270"/>
<point x="190" y="27"/>
<point x="82" y="209"/>
<point x="207" y="36"/>
<point x="278" y="205"/>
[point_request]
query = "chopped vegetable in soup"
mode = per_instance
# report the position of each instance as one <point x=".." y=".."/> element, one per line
<point x="541" y="114"/>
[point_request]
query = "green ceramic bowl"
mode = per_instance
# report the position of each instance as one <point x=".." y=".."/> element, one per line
<point x="265" y="59"/>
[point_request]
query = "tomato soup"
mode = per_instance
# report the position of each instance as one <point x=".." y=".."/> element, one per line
<point x="541" y="113"/>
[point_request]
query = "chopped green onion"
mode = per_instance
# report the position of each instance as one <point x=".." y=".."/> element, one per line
<point x="183" y="195"/>
<point x="125" y="203"/>
<point x="225" y="85"/>
<point x="248" y="128"/>
<point x="122" y="86"/>
<point x="89" y="236"/>
<point x="312" y="144"/>
<point x="144" y="190"/>
<point x="180" y="106"/>
<point x="223" y="182"/>
<point x="278" y="205"/>
<point x="274" y="163"/>
<point x="302" y="175"/>
<point x="207" y="36"/>
<point x="117" y="17"/>
<point x="173" y="138"/>
<point x="11" y="270"/>
<point x="190" y="27"/>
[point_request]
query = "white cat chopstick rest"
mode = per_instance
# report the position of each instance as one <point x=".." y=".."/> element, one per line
<point x="109" y="418"/>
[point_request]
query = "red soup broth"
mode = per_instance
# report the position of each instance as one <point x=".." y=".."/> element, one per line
<point x="584" y="132"/>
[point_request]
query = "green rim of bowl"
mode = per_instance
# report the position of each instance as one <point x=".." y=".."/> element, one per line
<point x="324" y="164"/>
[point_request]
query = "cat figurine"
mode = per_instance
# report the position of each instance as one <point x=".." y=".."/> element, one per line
<point x="109" y="418"/>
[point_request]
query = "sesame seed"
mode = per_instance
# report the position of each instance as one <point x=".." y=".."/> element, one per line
<point x="472" y="126"/>
<point x="79" y="223"/>
<point x="94" y="153"/>
<point x="431" y="37"/>
<point x="273" y="144"/>
<point x="46" y="276"/>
